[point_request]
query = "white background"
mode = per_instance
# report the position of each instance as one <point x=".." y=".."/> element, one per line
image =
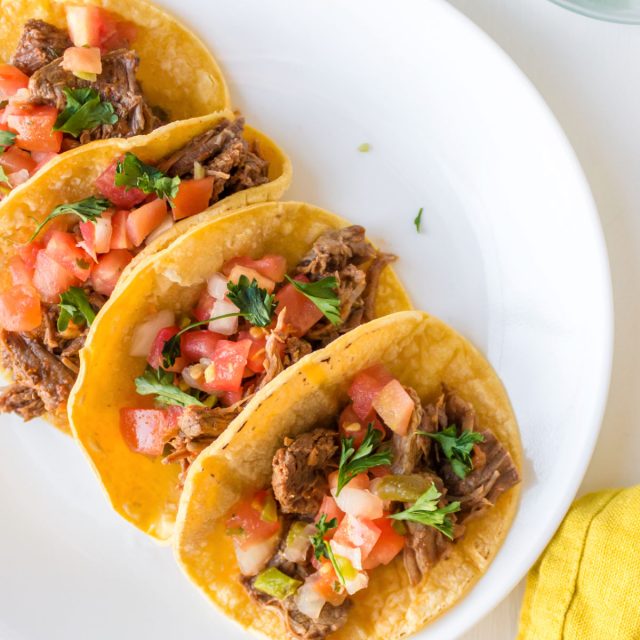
<point x="588" y="73"/>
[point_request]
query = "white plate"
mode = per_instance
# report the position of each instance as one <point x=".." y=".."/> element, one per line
<point x="511" y="253"/>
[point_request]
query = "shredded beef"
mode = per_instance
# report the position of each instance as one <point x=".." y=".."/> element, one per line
<point x="225" y="155"/>
<point x="411" y="449"/>
<point x="116" y="84"/>
<point x="373" y="282"/>
<point x="295" y="349"/>
<point x="39" y="44"/>
<point x="22" y="400"/>
<point x="299" y="477"/>
<point x="297" y="623"/>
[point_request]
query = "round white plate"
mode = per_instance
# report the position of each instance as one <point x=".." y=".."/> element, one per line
<point x="510" y="253"/>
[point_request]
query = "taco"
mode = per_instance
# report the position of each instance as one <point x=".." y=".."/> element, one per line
<point x="79" y="227"/>
<point x="198" y="331"/>
<point x="363" y="494"/>
<point x="74" y="72"/>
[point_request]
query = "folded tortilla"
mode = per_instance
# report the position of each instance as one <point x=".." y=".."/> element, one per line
<point x="423" y="353"/>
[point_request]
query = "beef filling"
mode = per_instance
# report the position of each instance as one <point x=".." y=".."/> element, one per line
<point x="40" y="43"/>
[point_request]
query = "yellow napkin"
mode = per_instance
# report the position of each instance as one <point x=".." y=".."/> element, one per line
<point x="586" y="585"/>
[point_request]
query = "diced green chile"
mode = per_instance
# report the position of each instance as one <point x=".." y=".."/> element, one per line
<point x="275" y="583"/>
<point x="401" y="488"/>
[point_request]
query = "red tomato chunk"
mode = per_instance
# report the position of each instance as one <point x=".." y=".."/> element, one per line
<point x="147" y="430"/>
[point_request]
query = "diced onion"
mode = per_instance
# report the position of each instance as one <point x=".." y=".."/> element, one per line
<point x="360" y="581"/>
<point x="217" y="286"/>
<point x="352" y="554"/>
<point x="165" y="225"/>
<point x="308" y="600"/>
<point x="254" y="559"/>
<point x="225" y="326"/>
<point x="298" y="542"/>
<point x="144" y="334"/>
<point x="195" y="383"/>
<point x="18" y="177"/>
<point x="360" y="503"/>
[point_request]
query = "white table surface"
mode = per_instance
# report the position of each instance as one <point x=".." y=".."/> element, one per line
<point x="588" y="73"/>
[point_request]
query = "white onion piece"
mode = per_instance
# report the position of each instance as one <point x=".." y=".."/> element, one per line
<point x="165" y="225"/>
<point x="103" y="233"/>
<point x="254" y="559"/>
<point x="217" y="286"/>
<point x="18" y="177"/>
<point x="361" y="581"/>
<point x="225" y="326"/>
<point x="360" y="503"/>
<point x="308" y="600"/>
<point x="296" y="549"/>
<point x="352" y="554"/>
<point x="192" y="382"/>
<point x="145" y="333"/>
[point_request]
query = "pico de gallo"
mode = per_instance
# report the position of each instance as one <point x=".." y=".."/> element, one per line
<point x="63" y="275"/>
<point x="254" y="317"/>
<point x="391" y="478"/>
<point x="65" y="87"/>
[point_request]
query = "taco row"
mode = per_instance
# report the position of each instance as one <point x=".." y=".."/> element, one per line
<point x="244" y="375"/>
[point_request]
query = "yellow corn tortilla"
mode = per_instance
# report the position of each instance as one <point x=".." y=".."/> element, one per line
<point x="176" y="72"/>
<point x="71" y="177"/>
<point x="144" y="490"/>
<point x="422" y="352"/>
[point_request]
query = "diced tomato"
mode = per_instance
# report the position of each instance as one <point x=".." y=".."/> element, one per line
<point x="251" y="274"/>
<point x="43" y="157"/>
<point x="257" y="353"/>
<point x="29" y="252"/>
<point x="143" y="220"/>
<point x="109" y="268"/>
<point x="388" y="546"/>
<point x="359" y="533"/>
<point x="331" y="510"/>
<point x="193" y="197"/>
<point x="96" y="235"/>
<point x="361" y="481"/>
<point x="147" y="430"/>
<point x="380" y="471"/>
<point x="62" y="248"/>
<point x="351" y="426"/>
<point x="34" y="128"/>
<point x="20" y="309"/>
<point x="270" y="266"/>
<point x="365" y="386"/>
<point x="21" y="274"/>
<point x="198" y="344"/>
<point x="155" y="354"/>
<point x="229" y="360"/>
<point x="82" y="60"/>
<point x="11" y="80"/>
<point x="50" y="278"/>
<point x="302" y="314"/>
<point x="14" y="159"/>
<point x="122" y="197"/>
<point x="229" y="398"/>
<point x="395" y="406"/>
<point x="117" y="34"/>
<point x="119" y="236"/>
<point x="84" y="25"/>
<point x="328" y="585"/>
<point x="204" y="308"/>
<point x="248" y="522"/>
<point x="172" y="415"/>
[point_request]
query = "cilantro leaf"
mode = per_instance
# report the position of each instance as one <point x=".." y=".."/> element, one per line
<point x="7" y="138"/>
<point x="323" y="293"/>
<point x="3" y="177"/>
<point x="74" y="305"/>
<point x="425" y="511"/>
<point x="322" y="548"/>
<point x="353" y="462"/>
<point x="255" y="304"/>
<point x="457" y="449"/>
<point x="88" y="210"/>
<point x="84" y="111"/>
<point x="160" y="383"/>
<point x="418" y="220"/>
<point x="131" y="172"/>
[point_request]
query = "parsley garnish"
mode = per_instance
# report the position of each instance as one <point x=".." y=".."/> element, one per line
<point x="83" y="112"/>
<point x="418" y="220"/>
<point x="321" y="548"/>
<point x="74" y="305"/>
<point x="255" y="304"/>
<point x="425" y="511"/>
<point x="457" y="449"/>
<point x="3" y="176"/>
<point x="353" y="462"/>
<point x="7" y="138"/>
<point x="160" y="383"/>
<point x="88" y="210"/>
<point x="131" y="172"/>
<point x="323" y="293"/>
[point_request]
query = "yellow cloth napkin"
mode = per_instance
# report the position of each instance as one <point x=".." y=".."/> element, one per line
<point x="586" y="585"/>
